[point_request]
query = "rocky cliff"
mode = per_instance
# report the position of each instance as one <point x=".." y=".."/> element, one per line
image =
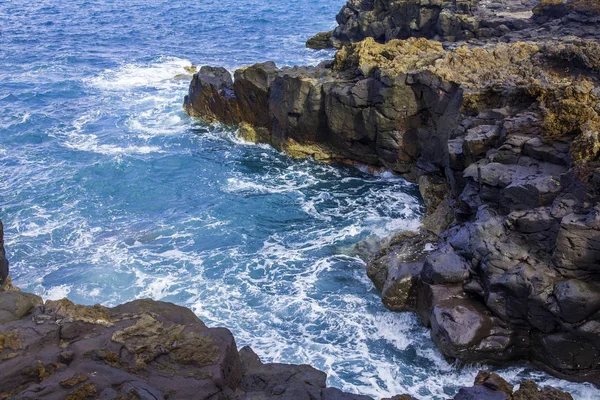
<point x="502" y="133"/>
<point x="149" y="350"/>
<point x="476" y="21"/>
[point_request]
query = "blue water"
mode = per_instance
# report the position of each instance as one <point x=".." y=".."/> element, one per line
<point x="109" y="192"/>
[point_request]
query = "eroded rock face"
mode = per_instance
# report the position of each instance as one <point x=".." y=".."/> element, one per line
<point x="502" y="135"/>
<point x="477" y="21"/>
<point x="400" y="19"/>
<point x="144" y="350"/>
<point x="155" y="350"/>
<point x="352" y="111"/>
<point x="516" y="275"/>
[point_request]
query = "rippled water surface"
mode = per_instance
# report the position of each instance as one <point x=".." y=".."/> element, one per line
<point x="109" y="192"/>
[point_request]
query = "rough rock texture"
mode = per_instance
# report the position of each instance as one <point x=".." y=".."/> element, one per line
<point x="501" y="133"/>
<point x="490" y="386"/>
<point x="350" y="111"/>
<point x="5" y="282"/>
<point x="142" y="350"/>
<point x="148" y="350"/>
<point x="322" y="40"/>
<point x="476" y="21"/>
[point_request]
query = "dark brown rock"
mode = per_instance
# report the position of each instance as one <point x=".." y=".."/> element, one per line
<point x="464" y="329"/>
<point x="528" y="390"/>
<point x="3" y="260"/>
<point x="322" y="40"/>
<point x="445" y="267"/>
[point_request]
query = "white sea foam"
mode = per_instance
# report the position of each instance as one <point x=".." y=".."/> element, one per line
<point x="289" y="295"/>
<point x="135" y="76"/>
<point x="90" y="143"/>
<point x="57" y="292"/>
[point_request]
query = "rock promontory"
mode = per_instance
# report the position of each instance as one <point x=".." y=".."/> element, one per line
<point x="501" y="130"/>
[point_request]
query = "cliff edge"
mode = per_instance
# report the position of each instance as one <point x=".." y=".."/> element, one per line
<point x="501" y="132"/>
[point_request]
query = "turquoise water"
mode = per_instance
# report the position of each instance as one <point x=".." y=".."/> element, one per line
<point x="109" y="192"/>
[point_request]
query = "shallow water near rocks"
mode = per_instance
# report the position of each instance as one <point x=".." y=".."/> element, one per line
<point x="109" y="192"/>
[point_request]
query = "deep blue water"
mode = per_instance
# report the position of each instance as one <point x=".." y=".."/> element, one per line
<point x="109" y="192"/>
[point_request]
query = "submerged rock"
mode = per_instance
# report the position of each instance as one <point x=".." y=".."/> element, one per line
<point x="322" y="40"/>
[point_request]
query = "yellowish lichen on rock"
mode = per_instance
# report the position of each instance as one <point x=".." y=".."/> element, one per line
<point x="148" y="338"/>
<point x="74" y="380"/>
<point x="293" y="148"/>
<point x="83" y="392"/>
<point x="10" y="340"/>
<point x="550" y="7"/>
<point x="251" y="134"/>
<point x="586" y="146"/>
<point x="40" y="371"/>
<point x="67" y="309"/>
<point x="316" y="151"/>
<point x="574" y="53"/>
<point x="505" y="64"/>
<point x="394" y="57"/>
<point x="570" y="111"/>
<point x="586" y="6"/>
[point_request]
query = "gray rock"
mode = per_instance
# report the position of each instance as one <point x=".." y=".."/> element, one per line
<point x="15" y="305"/>
<point x="445" y="267"/>
<point x="464" y="329"/>
<point x="479" y="140"/>
<point x="577" y="300"/>
<point x="480" y="393"/>
<point x="336" y="394"/>
<point x="577" y="253"/>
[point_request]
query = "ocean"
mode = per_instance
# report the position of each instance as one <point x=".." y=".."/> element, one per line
<point x="109" y="192"/>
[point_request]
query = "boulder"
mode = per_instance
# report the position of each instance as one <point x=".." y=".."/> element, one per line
<point x="445" y="267"/>
<point x="577" y="253"/>
<point x="577" y="300"/>
<point x="15" y="305"/>
<point x="464" y="329"/>
<point x="396" y="270"/>
<point x="479" y="140"/>
<point x="566" y="354"/>
<point x="322" y="40"/>
<point x="528" y="390"/>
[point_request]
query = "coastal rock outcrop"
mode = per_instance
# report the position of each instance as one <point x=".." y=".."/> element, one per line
<point x="476" y="21"/>
<point x="502" y="135"/>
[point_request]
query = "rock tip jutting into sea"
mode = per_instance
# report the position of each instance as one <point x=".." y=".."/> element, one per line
<point x="494" y="110"/>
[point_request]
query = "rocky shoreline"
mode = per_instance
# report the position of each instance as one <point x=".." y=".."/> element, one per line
<point x="493" y="108"/>
<point x="151" y="350"/>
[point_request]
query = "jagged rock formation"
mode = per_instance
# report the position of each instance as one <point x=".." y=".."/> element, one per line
<point x="4" y="277"/>
<point x="476" y="21"/>
<point x="504" y="141"/>
<point x="139" y="350"/>
<point x="149" y="350"/>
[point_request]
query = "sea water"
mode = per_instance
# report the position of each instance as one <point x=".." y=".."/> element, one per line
<point x="109" y="192"/>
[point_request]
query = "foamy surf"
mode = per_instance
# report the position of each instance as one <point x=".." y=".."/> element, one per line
<point x="159" y="74"/>
<point x="111" y="193"/>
